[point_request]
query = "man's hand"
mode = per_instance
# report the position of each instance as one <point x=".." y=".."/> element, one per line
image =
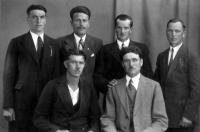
<point x="112" y="83"/>
<point x="185" y="122"/>
<point x="9" y="114"/>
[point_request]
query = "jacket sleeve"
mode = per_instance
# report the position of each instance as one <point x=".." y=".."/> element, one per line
<point x="42" y="111"/>
<point x="10" y="74"/>
<point x="108" y="118"/>
<point x="146" y="68"/>
<point x="94" y="113"/>
<point x="159" y="115"/>
<point x="191" y="107"/>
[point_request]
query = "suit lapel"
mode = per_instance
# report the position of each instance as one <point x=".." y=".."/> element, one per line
<point x="141" y="91"/>
<point x="165" y="61"/>
<point x="70" y="42"/>
<point x="47" y="49"/>
<point x="63" y="93"/>
<point x="121" y="91"/>
<point x="29" y="44"/>
<point x="176" y="60"/>
<point x="114" y="50"/>
<point x="84" y="94"/>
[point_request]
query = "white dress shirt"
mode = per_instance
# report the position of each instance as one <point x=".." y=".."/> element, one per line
<point x="77" y="38"/>
<point x="35" y="38"/>
<point x="74" y="94"/>
<point x="135" y="81"/>
<point x="175" y="51"/>
<point x="126" y="43"/>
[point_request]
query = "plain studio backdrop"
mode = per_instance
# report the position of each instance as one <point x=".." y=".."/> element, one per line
<point x="149" y="24"/>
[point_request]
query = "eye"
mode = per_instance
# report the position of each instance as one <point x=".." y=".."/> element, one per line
<point x="43" y="17"/>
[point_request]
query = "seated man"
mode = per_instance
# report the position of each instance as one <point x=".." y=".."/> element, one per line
<point x="68" y="103"/>
<point x="135" y="103"/>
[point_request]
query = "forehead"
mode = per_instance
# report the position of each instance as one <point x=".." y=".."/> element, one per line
<point x="37" y="12"/>
<point x="129" y="56"/>
<point x="80" y="16"/>
<point x="76" y="58"/>
<point x="123" y="23"/>
<point x="176" y="25"/>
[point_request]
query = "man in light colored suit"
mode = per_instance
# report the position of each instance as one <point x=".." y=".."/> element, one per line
<point x="178" y="72"/>
<point x="135" y="103"/>
<point x="79" y="39"/>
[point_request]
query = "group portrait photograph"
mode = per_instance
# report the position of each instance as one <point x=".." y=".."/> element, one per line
<point x="100" y="66"/>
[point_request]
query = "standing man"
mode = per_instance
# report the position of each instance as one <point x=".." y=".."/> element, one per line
<point x="32" y="60"/>
<point x="109" y="67"/>
<point x="80" y="22"/>
<point x="135" y="103"/>
<point x="69" y="104"/>
<point x="178" y="72"/>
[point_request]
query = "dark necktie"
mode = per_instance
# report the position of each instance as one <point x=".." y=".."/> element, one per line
<point x="171" y="58"/>
<point x="123" y="46"/>
<point x="131" y="92"/>
<point x="80" y="46"/>
<point x="39" y="48"/>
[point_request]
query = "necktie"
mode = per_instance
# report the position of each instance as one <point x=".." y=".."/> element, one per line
<point x="131" y="92"/>
<point x="80" y="46"/>
<point x="123" y="46"/>
<point x="39" y="49"/>
<point x="171" y="58"/>
<point x="39" y="46"/>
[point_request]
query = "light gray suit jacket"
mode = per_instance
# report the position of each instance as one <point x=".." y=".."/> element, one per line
<point x="149" y="111"/>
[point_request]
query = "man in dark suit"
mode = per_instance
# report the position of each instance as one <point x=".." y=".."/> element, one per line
<point x="80" y="21"/>
<point x="109" y="66"/>
<point x="178" y="72"/>
<point x="135" y="103"/>
<point x="68" y="104"/>
<point x="31" y="61"/>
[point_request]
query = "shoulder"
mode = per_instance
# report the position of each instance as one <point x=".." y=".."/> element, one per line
<point x="138" y="44"/>
<point x="19" y="38"/>
<point x="94" y="38"/>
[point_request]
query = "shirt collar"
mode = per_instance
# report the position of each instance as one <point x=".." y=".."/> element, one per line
<point x="126" y="43"/>
<point x="35" y="36"/>
<point x="176" y="48"/>
<point x="134" y="79"/>
<point x="77" y="38"/>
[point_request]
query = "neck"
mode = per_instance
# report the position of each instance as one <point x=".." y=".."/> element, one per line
<point x="38" y="33"/>
<point x="80" y="35"/>
<point x="72" y="81"/>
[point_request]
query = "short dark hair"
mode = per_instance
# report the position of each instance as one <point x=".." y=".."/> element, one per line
<point x="74" y="52"/>
<point x="80" y="9"/>
<point x="174" y="20"/>
<point x="131" y="49"/>
<point x="35" y="7"/>
<point x="124" y="17"/>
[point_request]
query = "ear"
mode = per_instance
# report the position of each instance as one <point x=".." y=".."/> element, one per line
<point x="65" y="64"/>
<point x="131" y="29"/>
<point x="71" y="22"/>
<point x="184" y="34"/>
<point x="141" y="61"/>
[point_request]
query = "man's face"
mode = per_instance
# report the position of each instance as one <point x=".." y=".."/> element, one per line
<point x="175" y="33"/>
<point x="132" y="64"/>
<point x="75" y="65"/>
<point x="123" y="29"/>
<point x="80" y="23"/>
<point x="37" y="21"/>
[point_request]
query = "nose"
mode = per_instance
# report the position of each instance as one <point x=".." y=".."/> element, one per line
<point x="38" y="19"/>
<point x="131" y="63"/>
<point x="122" y="30"/>
<point x="173" y="33"/>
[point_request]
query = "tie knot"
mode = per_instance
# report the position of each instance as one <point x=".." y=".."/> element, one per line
<point x="123" y="45"/>
<point x="81" y="41"/>
<point x="172" y="50"/>
<point x="130" y="81"/>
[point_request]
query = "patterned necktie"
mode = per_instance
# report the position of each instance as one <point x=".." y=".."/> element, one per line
<point x="123" y="46"/>
<point x="81" y="43"/>
<point x="171" y="58"/>
<point x="39" y="46"/>
<point x="131" y="92"/>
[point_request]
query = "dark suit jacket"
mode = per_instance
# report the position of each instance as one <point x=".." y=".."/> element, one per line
<point x="149" y="114"/>
<point x="23" y="77"/>
<point x="180" y="85"/>
<point x="92" y="47"/>
<point x="110" y="65"/>
<point x="55" y="109"/>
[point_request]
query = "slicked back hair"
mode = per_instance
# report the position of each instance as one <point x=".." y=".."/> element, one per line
<point x="124" y="17"/>
<point x="131" y="49"/>
<point x="35" y="7"/>
<point x="80" y="9"/>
